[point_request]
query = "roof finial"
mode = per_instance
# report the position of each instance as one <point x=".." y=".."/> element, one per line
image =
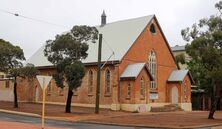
<point x="103" y="18"/>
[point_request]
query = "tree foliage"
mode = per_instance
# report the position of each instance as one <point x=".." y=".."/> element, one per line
<point x="206" y="52"/>
<point x="11" y="56"/>
<point x="180" y="58"/>
<point x="66" y="53"/>
<point x="11" y="63"/>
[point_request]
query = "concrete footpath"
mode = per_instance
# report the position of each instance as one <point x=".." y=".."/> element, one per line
<point x="170" y="120"/>
<point x="17" y="125"/>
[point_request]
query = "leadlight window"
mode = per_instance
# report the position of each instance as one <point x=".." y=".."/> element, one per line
<point x="152" y="29"/>
<point x="152" y="68"/>
<point x="7" y="84"/>
<point x="185" y="90"/>
<point x="49" y="88"/>
<point x="128" y="93"/>
<point x="107" y="82"/>
<point x="90" y="82"/>
<point x="141" y="87"/>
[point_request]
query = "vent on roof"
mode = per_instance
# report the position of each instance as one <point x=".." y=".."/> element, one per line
<point x="152" y="29"/>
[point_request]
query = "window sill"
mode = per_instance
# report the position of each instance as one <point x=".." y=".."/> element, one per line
<point x="107" y="95"/>
<point x="90" y="94"/>
<point x="153" y="90"/>
<point x="128" y="98"/>
<point x="153" y="34"/>
<point x="142" y="98"/>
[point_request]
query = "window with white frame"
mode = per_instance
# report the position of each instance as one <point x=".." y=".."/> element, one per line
<point x="185" y="90"/>
<point x="49" y="88"/>
<point x="7" y="84"/>
<point x="141" y="87"/>
<point x="128" y="91"/>
<point x="90" y="82"/>
<point x="107" y="82"/>
<point x="152" y="68"/>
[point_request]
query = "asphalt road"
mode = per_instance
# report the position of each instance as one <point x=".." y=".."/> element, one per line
<point x="61" y="124"/>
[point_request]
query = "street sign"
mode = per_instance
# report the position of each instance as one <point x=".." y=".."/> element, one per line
<point x="43" y="81"/>
<point x="42" y="78"/>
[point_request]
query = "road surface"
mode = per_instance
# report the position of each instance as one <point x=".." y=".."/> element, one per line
<point x="61" y="124"/>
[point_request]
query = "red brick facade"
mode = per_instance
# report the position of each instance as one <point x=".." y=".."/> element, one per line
<point x="138" y="53"/>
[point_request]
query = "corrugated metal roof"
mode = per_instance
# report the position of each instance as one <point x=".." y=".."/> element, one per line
<point x="118" y="37"/>
<point x="177" y="75"/>
<point x="178" y="48"/>
<point x="132" y="70"/>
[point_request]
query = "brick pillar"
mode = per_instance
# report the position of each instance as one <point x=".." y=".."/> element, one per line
<point x="115" y="93"/>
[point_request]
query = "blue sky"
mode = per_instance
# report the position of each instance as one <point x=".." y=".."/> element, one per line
<point x="173" y="15"/>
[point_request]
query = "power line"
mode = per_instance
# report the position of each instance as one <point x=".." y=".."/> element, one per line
<point x="33" y="19"/>
<point x="113" y="53"/>
<point x="108" y="45"/>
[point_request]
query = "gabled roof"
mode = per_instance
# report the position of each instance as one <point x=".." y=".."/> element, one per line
<point x="133" y="70"/>
<point x="179" y="75"/>
<point x="118" y="37"/>
<point x="178" y="48"/>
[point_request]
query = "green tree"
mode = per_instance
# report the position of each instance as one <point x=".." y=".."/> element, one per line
<point x="205" y="48"/>
<point x="11" y="58"/>
<point x="66" y="53"/>
<point x="29" y="72"/>
<point x="180" y="58"/>
<point x="11" y="63"/>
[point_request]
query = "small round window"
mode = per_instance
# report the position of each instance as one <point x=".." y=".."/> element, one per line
<point x="152" y="28"/>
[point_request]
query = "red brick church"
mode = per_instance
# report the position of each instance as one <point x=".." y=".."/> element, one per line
<point x="140" y="72"/>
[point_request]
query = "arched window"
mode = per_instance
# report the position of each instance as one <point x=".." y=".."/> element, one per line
<point x="90" y="82"/>
<point x="141" y="87"/>
<point x="49" y="88"/>
<point x="152" y="29"/>
<point x="107" y="82"/>
<point x="185" y="90"/>
<point x="128" y="90"/>
<point x="152" y="68"/>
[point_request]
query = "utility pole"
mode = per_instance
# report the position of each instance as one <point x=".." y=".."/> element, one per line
<point x="98" y="74"/>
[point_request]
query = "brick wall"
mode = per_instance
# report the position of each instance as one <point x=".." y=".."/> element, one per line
<point x="140" y="50"/>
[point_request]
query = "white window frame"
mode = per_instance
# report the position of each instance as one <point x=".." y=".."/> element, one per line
<point x="90" y="82"/>
<point x="107" y="82"/>
<point x="128" y="90"/>
<point x="142" y="88"/>
<point x="152" y="65"/>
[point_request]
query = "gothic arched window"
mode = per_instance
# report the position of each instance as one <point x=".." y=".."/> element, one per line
<point x="107" y="82"/>
<point x="90" y="82"/>
<point x="141" y="87"/>
<point x="152" y="68"/>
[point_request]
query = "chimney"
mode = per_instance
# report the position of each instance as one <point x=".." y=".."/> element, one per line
<point x="103" y="18"/>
